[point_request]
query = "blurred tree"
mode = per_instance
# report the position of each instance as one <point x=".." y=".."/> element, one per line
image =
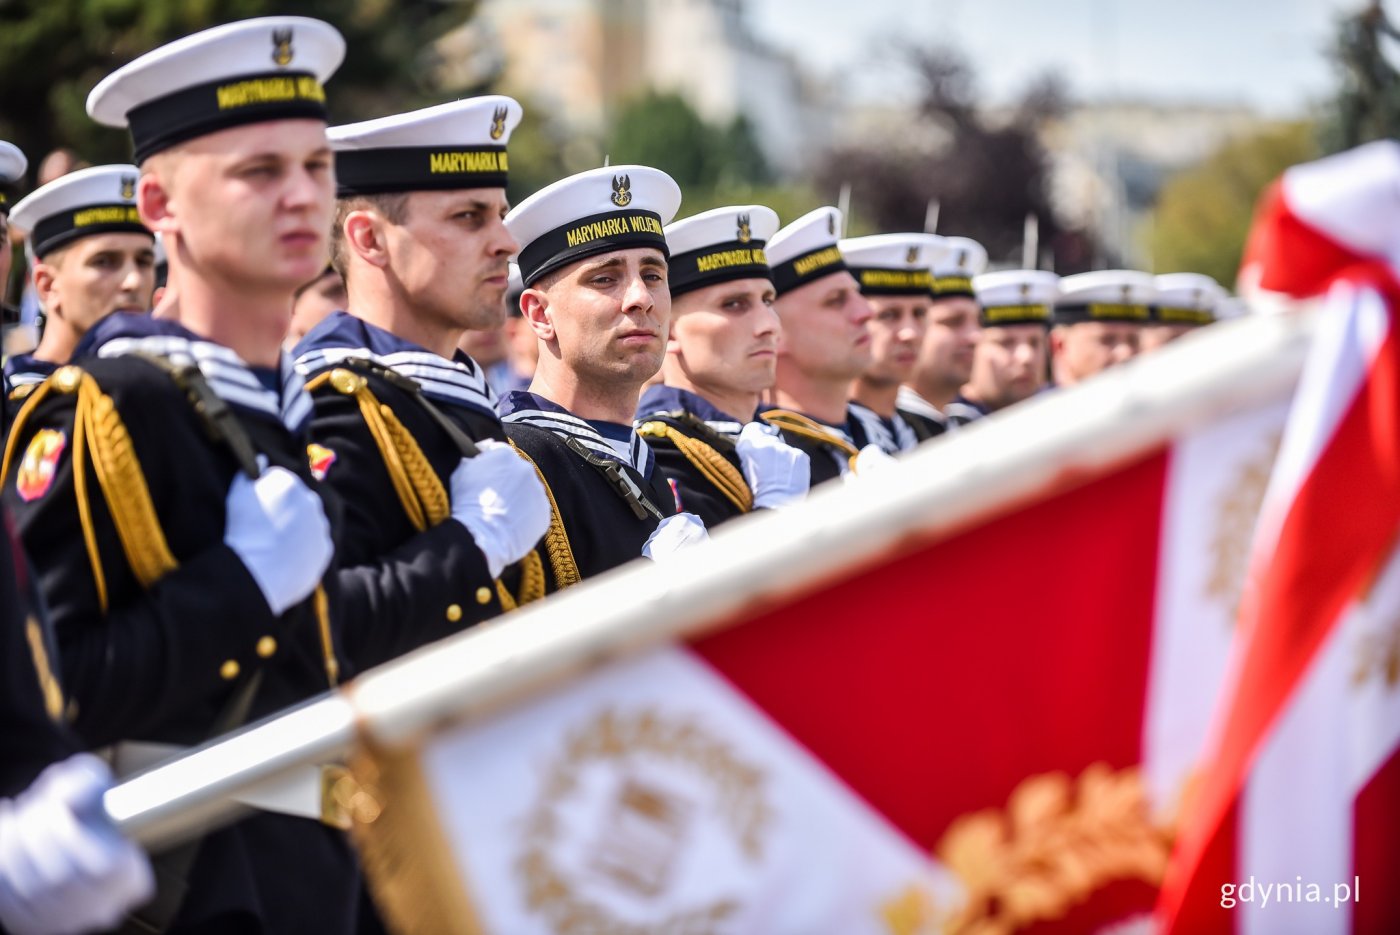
<point x="52" y="53"/>
<point x="1203" y="213"/>
<point x="1367" y="103"/>
<point x="985" y="177"/>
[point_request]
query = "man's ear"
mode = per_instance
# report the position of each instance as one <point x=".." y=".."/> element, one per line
<point x="154" y="204"/>
<point x="534" y="306"/>
<point x="46" y="286"/>
<point x="363" y="232"/>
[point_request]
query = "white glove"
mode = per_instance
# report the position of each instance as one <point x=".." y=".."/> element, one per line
<point x="871" y="460"/>
<point x="673" y="535"/>
<point x="778" y="474"/>
<point x="278" y="527"/>
<point x="500" y="500"/>
<point x="64" y="867"/>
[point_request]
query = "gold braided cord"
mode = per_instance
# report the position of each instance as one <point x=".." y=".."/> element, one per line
<point x="798" y="424"/>
<point x="420" y="491"/>
<point x="123" y="485"/>
<point x="16" y="430"/>
<point x="22" y="391"/>
<point x="321" y="605"/>
<point x="80" y="493"/>
<point x="710" y="463"/>
<point x="556" y="540"/>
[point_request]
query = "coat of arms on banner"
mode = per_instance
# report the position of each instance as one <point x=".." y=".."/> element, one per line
<point x="629" y="816"/>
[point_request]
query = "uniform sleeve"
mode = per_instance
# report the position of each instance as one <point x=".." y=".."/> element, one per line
<point x="153" y="651"/>
<point x="30" y="737"/>
<point x="399" y="588"/>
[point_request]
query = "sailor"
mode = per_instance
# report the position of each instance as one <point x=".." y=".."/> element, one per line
<point x="405" y="430"/>
<point x="1098" y="322"/>
<point x="895" y="276"/>
<point x="313" y="302"/>
<point x="945" y="360"/>
<point x="92" y="257"/>
<point x="63" y="866"/>
<point x="13" y="165"/>
<point x="160" y="481"/>
<point x="825" y="346"/>
<point x="593" y="260"/>
<point x="719" y="458"/>
<point x="1012" y="356"/>
<point x="1185" y="302"/>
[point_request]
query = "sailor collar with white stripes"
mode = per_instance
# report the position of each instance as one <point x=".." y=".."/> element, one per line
<point x="612" y="440"/>
<point x="340" y="336"/>
<point x="910" y="401"/>
<point x="228" y="375"/>
<point x="659" y="399"/>
<point x="892" y="436"/>
<point x="24" y="369"/>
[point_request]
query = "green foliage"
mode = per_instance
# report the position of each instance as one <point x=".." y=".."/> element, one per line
<point x="1366" y="106"/>
<point x="52" y="53"/>
<point x="664" y="131"/>
<point x="1203" y="214"/>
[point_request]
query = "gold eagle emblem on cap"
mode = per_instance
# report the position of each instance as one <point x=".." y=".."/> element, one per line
<point x="622" y="190"/>
<point x="128" y="187"/>
<point x="282" y="47"/>
<point x="498" y="123"/>
<point x="911" y="256"/>
<point x="1127" y="293"/>
<point x="1025" y="290"/>
<point x="745" y="232"/>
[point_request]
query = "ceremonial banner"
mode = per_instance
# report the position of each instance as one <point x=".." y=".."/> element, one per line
<point x="1295" y="829"/>
<point x="967" y="694"/>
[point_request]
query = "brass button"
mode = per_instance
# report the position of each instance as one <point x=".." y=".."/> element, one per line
<point x="229" y="670"/>
<point x="346" y="381"/>
<point x="66" y="379"/>
<point x="454" y="612"/>
<point x="483" y="595"/>
<point x="266" y="647"/>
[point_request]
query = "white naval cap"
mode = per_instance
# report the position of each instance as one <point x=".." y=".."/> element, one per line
<point x="514" y="287"/>
<point x="719" y="246"/>
<point x="1122" y="295"/>
<point x="1016" y="297"/>
<point x="13" y="165"/>
<point x="1186" y="299"/>
<point x="612" y="208"/>
<point x="99" y="200"/>
<point x="806" y="250"/>
<point x="962" y="259"/>
<point x="270" y="68"/>
<point x="460" y="144"/>
<point x="893" y="264"/>
<point x="1231" y="306"/>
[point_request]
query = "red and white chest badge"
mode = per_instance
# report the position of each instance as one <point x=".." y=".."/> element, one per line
<point x="40" y="464"/>
<point x="321" y="459"/>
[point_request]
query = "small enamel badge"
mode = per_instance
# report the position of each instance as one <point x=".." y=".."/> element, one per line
<point x="321" y="459"/>
<point x="40" y="464"/>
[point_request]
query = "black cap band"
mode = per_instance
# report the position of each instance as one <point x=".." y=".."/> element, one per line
<point x="879" y="280"/>
<point x="418" y="169"/>
<point x="720" y="262"/>
<point x="1175" y="315"/>
<point x="62" y="229"/>
<point x="807" y="267"/>
<point x="217" y="105"/>
<point x="951" y="287"/>
<point x="1102" y="311"/>
<point x="598" y="233"/>
<point x="998" y="316"/>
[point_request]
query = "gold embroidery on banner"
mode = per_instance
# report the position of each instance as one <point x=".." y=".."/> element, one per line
<point x="648" y="823"/>
<point x="1057" y="841"/>
<point x="1236" y="514"/>
<point x="1378" y="655"/>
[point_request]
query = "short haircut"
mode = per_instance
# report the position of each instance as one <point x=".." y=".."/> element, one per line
<point x="392" y="206"/>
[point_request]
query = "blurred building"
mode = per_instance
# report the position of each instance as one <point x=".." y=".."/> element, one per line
<point x="580" y="60"/>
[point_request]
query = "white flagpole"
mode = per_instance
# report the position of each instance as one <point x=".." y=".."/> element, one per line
<point x="989" y="466"/>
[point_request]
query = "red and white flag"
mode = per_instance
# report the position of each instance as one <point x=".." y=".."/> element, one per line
<point x="967" y="694"/>
<point x="1297" y="824"/>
